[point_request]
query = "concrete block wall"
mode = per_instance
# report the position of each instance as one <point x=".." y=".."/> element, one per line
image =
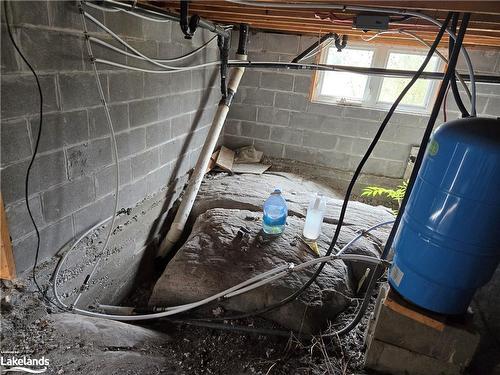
<point x="160" y="121"/>
<point x="273" y="111"/>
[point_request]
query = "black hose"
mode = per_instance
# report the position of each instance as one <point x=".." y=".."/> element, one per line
<point x="453" y="80"/>
<point x="356" y="174"/>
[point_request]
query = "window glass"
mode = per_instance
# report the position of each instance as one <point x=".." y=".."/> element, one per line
<point x="343" y="85"/>
<point x="418" y="95"/>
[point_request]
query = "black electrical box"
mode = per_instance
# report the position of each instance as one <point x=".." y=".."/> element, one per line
<point x="370" y="22"/>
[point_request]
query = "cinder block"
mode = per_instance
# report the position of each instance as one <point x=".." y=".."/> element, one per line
<point x="143" y="112"/>
<point x="362" y="113"/>
<point x="124" y="24"/>
<point x="159" y="178"/>
<point x="330" y="110"/>
<point x="276" y="81"/>
<point x="8" y="57"/>
<point x="302" y="84"/>
<point x="235" y="142"/>
<point x="157" y="85"/>
<point x="251" y="78"/>
<point x="170" y="106"/>
<point x="270" y="148"/>
<point x="232" y="127"/>
<point x="29" y="12"/>
<point x="320" y="140"/>
<point x="493" y="106"/>
<point x="65" y="52"/>
<point x="98" y="122"/>
<point x="344" y="144"/>
<point x="125" y="86"/>
<point x="60" y="129"/>
<point x="159" y="133"/>
<point x="15" y="86"/>
<point x="94" y="213"/>
<point x="286" y="135"/>
<point x="157" y="31"/>
<point x="15" y="141"/>
<point x="63" y="200"/>
<point x="105" y="180"/>
<point x="253" y="130"/>
<point x="144" y="163"/>
<point x="301" y="120"/>
<point x="131" y="142"/>
<point x="88" y="157"/>
<point x="404" y="339"/>
<point x="172" y="150"/>
<point x="334" y="159"/>
<point x="281" y="43"/>
<point x="132" y="193"/>
<point x="48" y="170"/>
<point x="180" y="82"/>
<point x="65" y="14"/>
<point x="182" y="125"/>
<point x="394" y="168"/>
<point x="254" y="96"/>
<point x="79" y="90"/>
<point x="273" y="116"/>
<point x="205" y="78"/>
<point x="242" y="112"/>
<point x="18" y="219"/>
<point x="391" y="151"/>
<point x="293" y="102"/>
<point x="300" y="153"/>
<point x="52" y="239"/>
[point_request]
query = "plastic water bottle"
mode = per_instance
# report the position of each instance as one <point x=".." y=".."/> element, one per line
<point x="275" y="213"/>
<point x="314" y="218"/>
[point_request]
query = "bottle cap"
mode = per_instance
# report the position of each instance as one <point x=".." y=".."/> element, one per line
<point x="277" y="190"/>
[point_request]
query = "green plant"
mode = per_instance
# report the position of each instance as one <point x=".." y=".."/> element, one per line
<point x="396" y="194"/>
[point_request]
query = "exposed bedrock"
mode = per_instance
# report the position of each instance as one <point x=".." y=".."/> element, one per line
<point x="226" y="246"/>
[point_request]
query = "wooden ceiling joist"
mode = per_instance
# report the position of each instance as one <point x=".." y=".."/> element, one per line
<point x="483" y="30"/>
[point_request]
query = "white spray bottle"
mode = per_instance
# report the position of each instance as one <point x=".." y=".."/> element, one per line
<point x="314" y="218"/>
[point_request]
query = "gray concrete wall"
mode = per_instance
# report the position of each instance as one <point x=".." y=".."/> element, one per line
<point x="274" y="112"/>
<point x="160" y="121"/>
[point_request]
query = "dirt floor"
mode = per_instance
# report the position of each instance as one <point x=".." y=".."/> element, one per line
<point x="27" y="328"/>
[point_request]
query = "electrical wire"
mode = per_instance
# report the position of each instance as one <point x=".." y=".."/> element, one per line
<point x="422" y="41"/>
<point x="115" y="10"/>
<point x="184" y="69"/>
<point x="33" y="156"/>
<point x="179" y="58"/>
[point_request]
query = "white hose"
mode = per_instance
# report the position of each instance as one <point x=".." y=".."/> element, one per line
<point x="183" y="69"/>
<point x="179" y="58"/>
<point x="358" y="8"/>
<point x="114" y="10"/>
<point x="243" y="287"/>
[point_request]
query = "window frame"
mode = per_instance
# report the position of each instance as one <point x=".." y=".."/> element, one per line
<point x="381" y="53"/>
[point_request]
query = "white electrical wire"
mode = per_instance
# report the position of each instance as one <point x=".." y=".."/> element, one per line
<point x="183" y="69"/>
<point x="359" y="8"/>
<point x="114" y="10"/>
<point x="120" y="40"/>
<point x="243" y="287"/>
<point x="422" y="41"/>
<point x="179" y="58"/>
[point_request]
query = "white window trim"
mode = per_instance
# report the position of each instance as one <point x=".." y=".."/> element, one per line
<point x="374" y="83"/>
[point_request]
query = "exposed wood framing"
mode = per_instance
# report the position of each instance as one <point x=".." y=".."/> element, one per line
<point x="483" y="30"/>
<point x="7" y="267"/>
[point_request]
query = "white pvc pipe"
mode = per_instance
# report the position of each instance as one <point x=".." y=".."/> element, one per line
<point x="189" y="197"/>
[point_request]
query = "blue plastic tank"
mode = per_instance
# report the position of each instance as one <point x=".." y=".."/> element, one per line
<point x="447" y="244"/>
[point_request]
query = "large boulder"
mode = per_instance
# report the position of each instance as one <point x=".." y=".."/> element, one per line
<point x="227" y="246"/>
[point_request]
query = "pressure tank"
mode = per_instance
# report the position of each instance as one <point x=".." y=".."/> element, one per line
<point x="448" y="242"/>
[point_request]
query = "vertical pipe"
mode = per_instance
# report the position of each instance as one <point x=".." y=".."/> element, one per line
<point x="187" y="202"/>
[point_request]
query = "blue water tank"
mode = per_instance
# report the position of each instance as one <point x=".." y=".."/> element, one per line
<point x="448" y="242"/>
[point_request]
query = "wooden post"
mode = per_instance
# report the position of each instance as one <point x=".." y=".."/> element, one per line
<point x="7" y="266"/>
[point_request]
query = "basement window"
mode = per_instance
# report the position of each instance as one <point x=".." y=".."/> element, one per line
<point x="375" y="91"/>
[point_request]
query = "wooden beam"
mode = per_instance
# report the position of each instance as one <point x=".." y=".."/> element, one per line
<point x="7" y="267"/>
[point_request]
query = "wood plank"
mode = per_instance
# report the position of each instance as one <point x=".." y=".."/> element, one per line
<point x="252" y="168"/>
<point x="7" y="266"/>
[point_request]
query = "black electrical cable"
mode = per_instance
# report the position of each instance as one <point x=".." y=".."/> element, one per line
<point x="453" y="80"/>
<point x="35" y="151"/>
<point x="356" y="174"/>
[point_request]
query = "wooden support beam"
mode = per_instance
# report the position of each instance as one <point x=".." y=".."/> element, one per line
<point x="7" y="267"/>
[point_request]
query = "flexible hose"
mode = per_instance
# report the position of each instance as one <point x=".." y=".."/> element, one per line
<point x="115" y="10"/>
<point x="453" y="82"/>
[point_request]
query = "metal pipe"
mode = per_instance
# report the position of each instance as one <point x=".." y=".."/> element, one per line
<point x="355" y="69"/>
<point x="145" y="9"/>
